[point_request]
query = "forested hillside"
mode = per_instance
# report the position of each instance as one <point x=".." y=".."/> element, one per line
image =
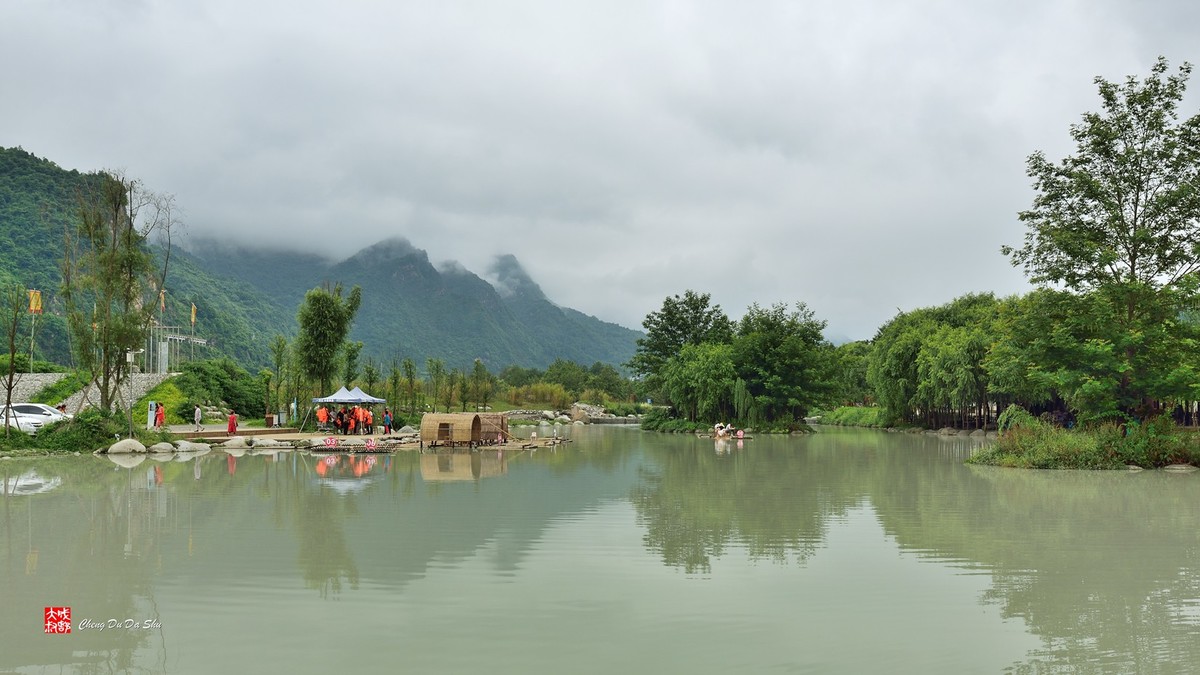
<point x="244" y="297"/>
<point x="413" y="309"/>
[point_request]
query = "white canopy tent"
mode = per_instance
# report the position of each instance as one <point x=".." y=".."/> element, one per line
<point x="355" y="395"/>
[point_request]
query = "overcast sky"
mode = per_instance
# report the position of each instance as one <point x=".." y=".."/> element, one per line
<point x="861" y="156"/>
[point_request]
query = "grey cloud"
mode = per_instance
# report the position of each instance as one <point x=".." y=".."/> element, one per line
<point x="858" y="156"/>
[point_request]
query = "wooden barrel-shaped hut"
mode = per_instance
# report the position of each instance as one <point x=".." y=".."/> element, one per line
<point x="495" y="427"/>
<point x="450" y="429"/>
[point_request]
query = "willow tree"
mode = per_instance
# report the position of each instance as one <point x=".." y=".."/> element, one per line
<point x="325" y="318"/>
<point x="111" y="280"/>
<point x="1117" y="226"/>
<point x="12" y="296"/>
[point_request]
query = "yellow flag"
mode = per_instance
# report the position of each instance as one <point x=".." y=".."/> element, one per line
<point x="193" y="314"/>
<point x="35" y="302"/>
<point x="162" y="300"/>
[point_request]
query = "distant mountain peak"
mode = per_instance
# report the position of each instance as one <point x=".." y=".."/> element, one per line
<point x="510" y="279"/>
<point x="393" y="248"/>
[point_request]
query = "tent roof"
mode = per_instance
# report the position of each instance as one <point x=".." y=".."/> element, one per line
<point x="364" y="397"/>
<point x="344" y="396"/>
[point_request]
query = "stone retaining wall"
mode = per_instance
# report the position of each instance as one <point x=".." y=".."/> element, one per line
<point x="90" y="396"/>
<point x="28" y="384"/>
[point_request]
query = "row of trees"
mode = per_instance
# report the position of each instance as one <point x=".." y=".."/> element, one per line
<point x="772" y="365"/>
<point x="1110" y="333"/>
<point x="322" y="355"/>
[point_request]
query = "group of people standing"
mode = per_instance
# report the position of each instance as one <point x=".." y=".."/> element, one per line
<point x="358" y="420"/>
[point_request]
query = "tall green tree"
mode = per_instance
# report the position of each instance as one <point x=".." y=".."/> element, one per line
<point x="325" y="318"/>
<point x="481" y="384"/>
<point x="279" y="358"/>
<point x="850" y="373"/>
<point x="681" y="321"/>
<point x="1117" y="225"/>
<point x="111" y="281"/>
<point x="605" y="378"/>
<point x="699" y="381"/>
<point x="395" y="385"/>
<point x="785" y="360"/>
<point x="450" y="390"/>
<point x="435" y="380"/>
<point x="572" y="376"/>
<point x="350" y="353"/>
<point x="409" y="368"/>
<point x="13" y="297"/>
<point x="370" y="375"/>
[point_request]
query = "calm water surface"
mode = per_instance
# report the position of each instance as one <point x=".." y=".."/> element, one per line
<point x="623" y="551"/>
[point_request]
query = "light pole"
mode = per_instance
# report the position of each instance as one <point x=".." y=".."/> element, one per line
<point x="129" y="373"/>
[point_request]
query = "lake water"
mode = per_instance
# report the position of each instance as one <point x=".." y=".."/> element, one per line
<point x="847" y="551"/>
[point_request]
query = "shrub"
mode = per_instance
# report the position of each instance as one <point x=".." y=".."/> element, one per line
<point x="662" y="419"/>
<point x="855" y="416"/>
<point x="1028" y="442"/>
<point x="88" y="431"/>
<point x="60" y="390"/>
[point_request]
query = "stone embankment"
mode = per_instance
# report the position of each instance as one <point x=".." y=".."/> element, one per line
<point x="582" y="413"/>
<point x="89" y="397"/>
<point x="25" y="385"/>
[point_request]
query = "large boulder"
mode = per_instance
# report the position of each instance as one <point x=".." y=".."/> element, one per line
<point x="188" y="446"/>
<point x="236" y="442"/>
<point x="126" y="446"/>
<point x="161" y="446"/>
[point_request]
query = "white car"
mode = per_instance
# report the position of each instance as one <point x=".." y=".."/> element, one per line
<point x="15" y="420"/>
<point x="42" y="412"/>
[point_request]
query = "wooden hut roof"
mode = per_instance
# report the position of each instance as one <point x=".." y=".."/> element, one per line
<point x="461" y="428"/>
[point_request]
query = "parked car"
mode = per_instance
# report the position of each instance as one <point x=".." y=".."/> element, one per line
<point x="41" y="411"/>
<point x="20" y="421"/>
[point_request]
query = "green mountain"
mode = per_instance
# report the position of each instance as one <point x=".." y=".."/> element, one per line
<point x="244" y="296"/>
<point x="412" y="309"/>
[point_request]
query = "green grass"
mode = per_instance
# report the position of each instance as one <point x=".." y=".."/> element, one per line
<point x="1030" y="443"/>
<point x="855" y="416"/>
<point x="59" y="391"/>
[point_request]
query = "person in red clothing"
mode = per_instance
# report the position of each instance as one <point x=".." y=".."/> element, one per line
<point x="232" y="426"/>
<point x="160" y="416"/>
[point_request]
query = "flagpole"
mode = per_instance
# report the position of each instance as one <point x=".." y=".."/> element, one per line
<point x="35" y="308"/>
<point x="193" y="340"/>
<point x="32" y="331"/>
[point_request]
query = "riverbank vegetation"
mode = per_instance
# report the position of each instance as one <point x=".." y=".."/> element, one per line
<point x="855" y="416"/>
<point x="1031" y="443"/>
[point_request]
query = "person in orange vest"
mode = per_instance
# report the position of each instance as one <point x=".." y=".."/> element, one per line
<point x="370" y="422"/>
<point x="322" y="417"/>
